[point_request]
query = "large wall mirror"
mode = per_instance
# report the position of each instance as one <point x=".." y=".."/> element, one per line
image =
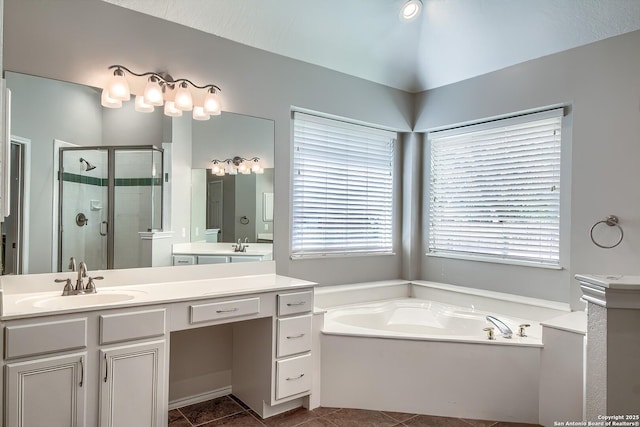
<point x="57" y="123"/>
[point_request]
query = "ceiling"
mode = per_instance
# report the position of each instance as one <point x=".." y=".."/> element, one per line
<point x="452" y="40"/>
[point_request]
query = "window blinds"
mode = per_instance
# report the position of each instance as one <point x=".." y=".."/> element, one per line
<point x="495" y="189"/>
<point x="342" y="195"/>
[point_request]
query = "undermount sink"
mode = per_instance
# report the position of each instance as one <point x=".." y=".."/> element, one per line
<point x="75" y="301"/>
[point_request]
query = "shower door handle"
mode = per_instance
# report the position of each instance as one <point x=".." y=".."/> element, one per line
<point x="106" y="228"/>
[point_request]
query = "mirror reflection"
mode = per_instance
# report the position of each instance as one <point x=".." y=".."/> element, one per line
<point x="52" y="220"/>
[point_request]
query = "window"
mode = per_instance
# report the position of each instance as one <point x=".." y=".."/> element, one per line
<point x="495" y="190"/>
<point x="342" y="187"/>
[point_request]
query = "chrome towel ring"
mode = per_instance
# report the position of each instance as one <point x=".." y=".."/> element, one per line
<point x="611" y="221"/>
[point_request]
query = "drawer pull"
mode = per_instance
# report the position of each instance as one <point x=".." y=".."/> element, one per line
<point x="292" y="337"/>
<point x="227" y="311"/>
<point x="291" y="304"/>
<point x="81" y="371"/>
<point x="295" y="378"/>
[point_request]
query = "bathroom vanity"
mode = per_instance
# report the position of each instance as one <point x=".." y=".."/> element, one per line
<point x="220" y="253"/>
<point x="103" y="359"/>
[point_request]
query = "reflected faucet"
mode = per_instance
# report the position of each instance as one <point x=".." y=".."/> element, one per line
<point x="240" y="246"/>
<point x="72" y="264"/>
<point x="504" y="329"/>
<point x="82" y="273"/>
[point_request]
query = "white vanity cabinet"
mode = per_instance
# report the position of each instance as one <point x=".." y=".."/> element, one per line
<point x="48" y="391"/>
<point x="131" y="390"/>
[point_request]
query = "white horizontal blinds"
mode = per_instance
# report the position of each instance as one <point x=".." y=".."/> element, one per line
<point x="495" y="189"/>
<point x="342" y="187"/>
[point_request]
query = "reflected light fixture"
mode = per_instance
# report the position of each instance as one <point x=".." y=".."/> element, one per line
<point x="177" y="95"/>
<point x="411" y="9"/>
<point x="236" y="165"/>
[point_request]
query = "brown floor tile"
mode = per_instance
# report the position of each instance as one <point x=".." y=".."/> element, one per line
<point x="243" y="419"/>
<point x="176" y="419"/>
<point x="210" y="410"/>
<point x="479" y="423"/>
<point x="433" y="421"/>
<point x="322" y="411"/>
<point x="317" y="422"/>
<point x="290" y="418"/>
<point x="360" y="417"/>
<point x="399" y="416"/>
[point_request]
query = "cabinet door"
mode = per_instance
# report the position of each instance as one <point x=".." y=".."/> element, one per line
<point x="133" y="384"/>
<point x="46" y="392"/>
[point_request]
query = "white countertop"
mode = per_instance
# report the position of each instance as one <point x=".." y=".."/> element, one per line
<point x="207" y="248"/>
<point x="159" y="286"/>
<point x="611" y="281"/>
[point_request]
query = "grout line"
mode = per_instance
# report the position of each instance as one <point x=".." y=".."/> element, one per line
<point x="184" y="416"/>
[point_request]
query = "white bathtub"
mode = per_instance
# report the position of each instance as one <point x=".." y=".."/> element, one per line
<point x="420" y="348"/>
<point x="419" y="319"/>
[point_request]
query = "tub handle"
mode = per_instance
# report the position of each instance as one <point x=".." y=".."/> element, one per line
<point x="292" y="337"/>
<point x="490" y="335"/>
<point x="522" y="329"/>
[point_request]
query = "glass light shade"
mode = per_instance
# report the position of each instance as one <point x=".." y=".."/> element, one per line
<point x="142" y="106"/>
<point x="259" y="171"/>
<point x="109" y="102"/>
<point x="118" y="88"/>
<point x="199" y="113"/>
<point x="212" y="104"/>
<point x="221" y="173"/>
<point x="171" y="110"/>
<point x="231" y="169"/>
<point x="215" y="169"/>
<point x="255" y="166"/>
<point x="242" y="168"/>
<point x="411" y="9"/>
<point x="183" y="100"/>
<point x="153" y="93"/>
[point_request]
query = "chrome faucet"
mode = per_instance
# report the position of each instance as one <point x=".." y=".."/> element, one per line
<point x="504" y="329"/>
<point x="82" y="273"/>
<point x="240" y="246"/>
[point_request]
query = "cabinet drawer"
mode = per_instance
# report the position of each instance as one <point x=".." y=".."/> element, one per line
<point x="183" y="260"/>
<point x="212" y="259"/>
<point x="223" y="310"/>
<point x="41" y="338"/>
<point x="293" y="376"/>
<point x="294" y="335"/>
<point x="295" y="302"/>
<point x="131" y="326"/>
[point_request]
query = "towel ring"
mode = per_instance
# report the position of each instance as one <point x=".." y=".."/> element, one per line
<point x="244" y="220"/>
<point x="611" y="221"/>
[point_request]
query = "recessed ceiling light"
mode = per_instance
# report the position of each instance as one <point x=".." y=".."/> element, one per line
<point x="411" y="9"/>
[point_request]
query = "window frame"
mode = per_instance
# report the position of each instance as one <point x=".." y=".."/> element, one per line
<point x="560" y="111"/>
<point x="394" y="172"/>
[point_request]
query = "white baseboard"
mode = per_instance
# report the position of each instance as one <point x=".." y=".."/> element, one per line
<point x="202" y="397"/>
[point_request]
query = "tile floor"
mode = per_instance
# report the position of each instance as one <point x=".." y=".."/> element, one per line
<point x="228" y="411"/>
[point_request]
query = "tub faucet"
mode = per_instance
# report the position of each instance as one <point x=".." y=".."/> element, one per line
<point x="504" y="329"/>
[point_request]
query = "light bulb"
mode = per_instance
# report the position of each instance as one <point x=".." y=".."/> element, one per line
<point x="153" y="92"/>
<point x="183" y="100"/>
<point x="118" y="87"/>
<point x="411" y="9"/>
<point x="212" y="104"/>
<point x="142" y="106"/>
<point x="171" y="110"/>
<point x="109" y="102"/>
<point x="199" y="113"/>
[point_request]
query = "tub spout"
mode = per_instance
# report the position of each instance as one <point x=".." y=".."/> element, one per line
<point x="504" y="329"/>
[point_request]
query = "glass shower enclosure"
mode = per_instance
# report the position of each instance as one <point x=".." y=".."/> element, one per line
<point x="107" y="195"/>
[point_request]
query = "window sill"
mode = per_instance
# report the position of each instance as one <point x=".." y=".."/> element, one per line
<point x="495" y="260"/>
<point x="297" y="257"/>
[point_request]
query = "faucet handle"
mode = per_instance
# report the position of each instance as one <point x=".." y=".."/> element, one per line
<point x="522" y="329"/>
<point x="490" y="335"/>
<point x="91" y="286"/>
<point x="68" y="289"/>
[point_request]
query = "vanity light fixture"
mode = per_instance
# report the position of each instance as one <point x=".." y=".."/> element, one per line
<point x="411" y="9"/>
<point x="177" y="95"/>
<point x="236" y="165"/>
